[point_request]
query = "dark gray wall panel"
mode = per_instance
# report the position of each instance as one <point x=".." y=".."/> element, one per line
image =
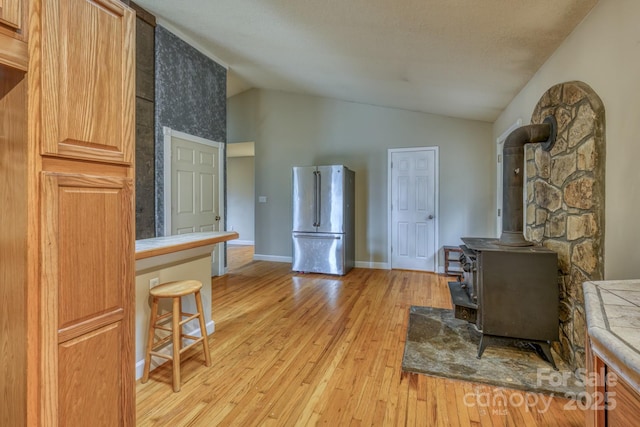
<point x="191" y="97"/>
<point x="145" y="172"/>
<point x="145" y="60"/>
<point x="145" y="131"/>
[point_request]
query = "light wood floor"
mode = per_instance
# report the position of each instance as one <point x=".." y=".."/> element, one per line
<point x="307" y="349"/>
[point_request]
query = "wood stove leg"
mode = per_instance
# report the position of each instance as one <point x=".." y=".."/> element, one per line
<point x="546" y="350"/>
<point x="484" y="341"/>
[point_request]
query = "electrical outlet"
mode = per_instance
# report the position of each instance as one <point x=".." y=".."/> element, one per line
<point x="154" y="282"/>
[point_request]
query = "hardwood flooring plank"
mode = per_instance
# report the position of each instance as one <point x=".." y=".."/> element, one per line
<point x="456" y="403"/>
<point x="402" y="399"/>
<point x="473" y="402"/>
<point x="412" y="401"/>
<point x="442" y="402"/>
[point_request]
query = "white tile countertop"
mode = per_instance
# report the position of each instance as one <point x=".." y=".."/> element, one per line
<point x="161" y="245"/>
<point x="161" y="250"/>
<point x="613" y="323"/>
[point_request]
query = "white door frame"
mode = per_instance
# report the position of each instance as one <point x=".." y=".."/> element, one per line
<point x="390" y="151"/>
<point x="168" y="134"/>
<point x="499" y="148"/>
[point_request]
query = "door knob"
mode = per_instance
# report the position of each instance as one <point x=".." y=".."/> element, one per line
<point x="430" y="217"/>
<point x="217" y="218"/>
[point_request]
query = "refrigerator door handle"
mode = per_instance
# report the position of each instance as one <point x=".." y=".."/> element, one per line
<point x="310" y="236"/>
<point x="318" y="211"/>
<point x="315" y="198"/>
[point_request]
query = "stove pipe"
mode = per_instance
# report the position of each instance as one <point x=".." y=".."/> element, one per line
<point x="513" y="176"/>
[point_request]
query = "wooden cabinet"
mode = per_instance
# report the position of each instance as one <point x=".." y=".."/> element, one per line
<point x="612" y="401"/>
<point x="66" y="154"/>
<point x="87" y="226"/>
<point x="87" y="79"/>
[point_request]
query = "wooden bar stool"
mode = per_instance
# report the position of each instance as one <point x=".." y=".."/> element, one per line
<point x="175" y="290"/>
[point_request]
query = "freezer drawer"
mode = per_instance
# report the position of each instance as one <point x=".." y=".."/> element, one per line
<point x="319" y="253"/>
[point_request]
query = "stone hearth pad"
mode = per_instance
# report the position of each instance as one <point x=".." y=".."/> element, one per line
<point x="438" y="344"/>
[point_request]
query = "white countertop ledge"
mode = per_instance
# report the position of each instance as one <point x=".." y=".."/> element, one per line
<point x="613" y="322"/>
<point x="157" y="251"/>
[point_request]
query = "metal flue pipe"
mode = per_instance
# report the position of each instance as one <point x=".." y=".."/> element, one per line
<point x="513" y="177"/>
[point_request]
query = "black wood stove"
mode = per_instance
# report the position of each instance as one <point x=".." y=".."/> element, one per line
<point x="508" y="292"/>
<point x="510" y="287"/>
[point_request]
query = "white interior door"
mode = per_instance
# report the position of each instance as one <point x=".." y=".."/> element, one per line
<point x="413" y="208"/>
<point x="194" y="188"/>
<point x="194" y="176"/>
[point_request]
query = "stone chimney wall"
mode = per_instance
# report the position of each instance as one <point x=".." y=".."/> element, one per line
<point x="565" y="202"/>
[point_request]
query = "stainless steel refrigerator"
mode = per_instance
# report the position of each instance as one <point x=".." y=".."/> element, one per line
<point x="323" y="219"/>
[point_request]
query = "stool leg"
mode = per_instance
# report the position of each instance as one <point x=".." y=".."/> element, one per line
<point x="203" y="330"/>
<point x="177" y="343"/>
<point x="152" y="333"/>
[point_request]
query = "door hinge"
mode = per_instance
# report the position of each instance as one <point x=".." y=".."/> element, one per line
<point x="499" y="158"/>
<point x="499" y="210"/>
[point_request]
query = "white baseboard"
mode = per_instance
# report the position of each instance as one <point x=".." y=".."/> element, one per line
<point x="358" y="264"/>
<point x="241" y="242"/>
<point x="373" y="265"/>
<point x="274" y="258"/>
<point x="157" y="361"/>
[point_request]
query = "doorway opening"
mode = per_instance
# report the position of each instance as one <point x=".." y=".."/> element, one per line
<point x="241" y="202"/>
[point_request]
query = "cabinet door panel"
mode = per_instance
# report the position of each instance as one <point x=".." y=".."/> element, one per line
<point x="624" y="402"/>
<point x="89" y="243"/>
<point x="87" y="298"/>
<point x="10" y="11"/>
<point x="88" y="80"/>
<point x="90" y="378"/>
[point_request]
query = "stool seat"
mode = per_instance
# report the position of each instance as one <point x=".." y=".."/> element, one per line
<point x="179" y="288"/>
<point x="175" y="290"/>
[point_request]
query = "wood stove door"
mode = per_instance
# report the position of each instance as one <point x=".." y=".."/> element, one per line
<point x="518" y="294"/>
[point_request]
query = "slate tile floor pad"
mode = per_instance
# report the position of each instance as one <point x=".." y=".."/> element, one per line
<point x="438" y="344"/>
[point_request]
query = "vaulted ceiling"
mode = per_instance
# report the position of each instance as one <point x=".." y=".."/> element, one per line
<point x="460" y="58"/>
